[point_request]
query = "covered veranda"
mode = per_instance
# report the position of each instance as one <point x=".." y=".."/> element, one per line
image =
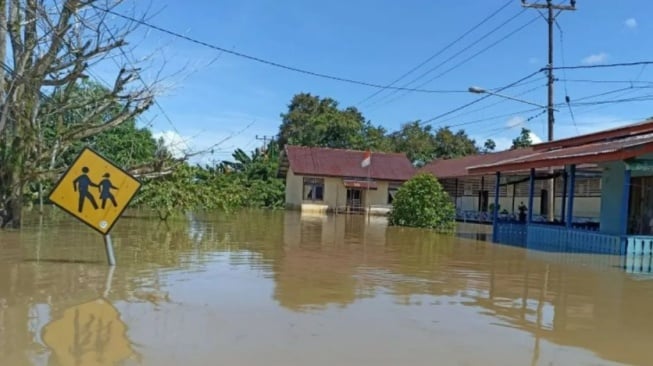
<point x="624" y="157"/>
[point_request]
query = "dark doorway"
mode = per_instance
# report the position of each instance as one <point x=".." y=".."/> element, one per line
<point x="483" y="200"/>
<point x="354" y="199"/>
<point x="544" y="202"/>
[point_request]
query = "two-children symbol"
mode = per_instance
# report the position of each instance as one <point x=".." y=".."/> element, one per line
<point x="82" y="183"/>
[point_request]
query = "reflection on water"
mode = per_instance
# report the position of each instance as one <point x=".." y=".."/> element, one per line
<point x="279" y="288"/>
<point x="91" y="333"/>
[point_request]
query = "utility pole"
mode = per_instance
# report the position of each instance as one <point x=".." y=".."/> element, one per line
<point x="550" y="19"/>
<point x="265" y="139"/>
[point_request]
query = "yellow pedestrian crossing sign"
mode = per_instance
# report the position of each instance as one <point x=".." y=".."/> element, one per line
<point x="95" y="191"/>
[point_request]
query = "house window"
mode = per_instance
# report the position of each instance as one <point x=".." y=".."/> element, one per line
<point x="392" y="191"/>
<point x="313" y="189"/>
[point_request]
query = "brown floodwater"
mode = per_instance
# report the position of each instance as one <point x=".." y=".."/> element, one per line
<point x="278" y="288"/>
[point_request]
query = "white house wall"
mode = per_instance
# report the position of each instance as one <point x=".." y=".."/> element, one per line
<point x="335" y="194"/>
<point x="294" y="188"/>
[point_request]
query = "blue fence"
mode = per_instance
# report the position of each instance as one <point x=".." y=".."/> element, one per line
<point x="511" y="233"/>
<point x="552" y="238"/>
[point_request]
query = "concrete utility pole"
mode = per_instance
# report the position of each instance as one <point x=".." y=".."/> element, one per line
<point x="550" y="19"/>
<point x="265" y="141"/>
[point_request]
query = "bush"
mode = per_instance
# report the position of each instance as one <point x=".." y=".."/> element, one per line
<point x="421" y="202"/>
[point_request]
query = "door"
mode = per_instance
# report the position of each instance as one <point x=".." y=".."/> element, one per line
<point x="544" y="202"/>
<point x="354" y="198"/>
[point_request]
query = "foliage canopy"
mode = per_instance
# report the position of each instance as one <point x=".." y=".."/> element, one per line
<point x="421" y="202"/>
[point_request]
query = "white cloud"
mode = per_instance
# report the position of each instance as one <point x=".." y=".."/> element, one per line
<point x="594" y="59"/>
<point x="502" y="143"/>
<point x="631" y="23"/>
<point x="515" y="121"/>
<point x="535" y="139"/>
<point x="174" y="142"/>
<point x="533" y="60"/>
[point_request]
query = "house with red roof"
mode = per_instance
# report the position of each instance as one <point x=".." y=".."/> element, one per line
<point x="473" y="193"/>
<point x="624" y="157"/>
<point x="322" y="179"/>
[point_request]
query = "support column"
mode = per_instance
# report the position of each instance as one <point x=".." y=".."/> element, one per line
<point x="625" y="202"/>
<point x="531" y="189"/>
<point x="455" y="195"/>
<point x="480" y="194"/>
<point x="495" y="213"/>
<point x="563" y="212"/>
<point x="571" y="189"/>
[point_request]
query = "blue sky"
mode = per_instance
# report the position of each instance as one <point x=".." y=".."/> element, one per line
<point x="210" y="96"/>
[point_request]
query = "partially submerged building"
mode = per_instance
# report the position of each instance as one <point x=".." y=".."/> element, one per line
<point x="624" y="158"/>
<point x="473" y="193"/>
<point x="323" y="179"/>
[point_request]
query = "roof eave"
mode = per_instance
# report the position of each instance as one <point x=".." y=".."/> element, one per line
<point x="615" y="155"/>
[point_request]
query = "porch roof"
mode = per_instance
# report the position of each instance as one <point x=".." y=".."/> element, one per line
<point x="359" y="183"/>
<point x="457" y="167"/>
<point x="611" y="148"/>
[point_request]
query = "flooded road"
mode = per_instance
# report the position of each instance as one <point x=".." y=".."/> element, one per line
<point x="276" y="288"/>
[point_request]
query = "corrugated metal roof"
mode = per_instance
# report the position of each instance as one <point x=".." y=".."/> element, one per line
<point x="618" y="132"/>
<point x="319" y="161"/>
<point x="612" y="150"/>
<point x="457" y="168"/>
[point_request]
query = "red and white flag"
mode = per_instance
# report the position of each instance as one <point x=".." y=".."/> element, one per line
<point x="367" y="159"/>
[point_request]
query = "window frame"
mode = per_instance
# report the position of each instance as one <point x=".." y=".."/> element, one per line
<point x="313" y="183"/>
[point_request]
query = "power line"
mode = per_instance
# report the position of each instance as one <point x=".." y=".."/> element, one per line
<point x="489" y="133"/>
<point x="564" y="73"/>
<point x="589" y="81"/>
<point x="642" y="98"/>
<point x="501" y="100"/>
<point x="140" y="78"/>
<point x="433" y="119"/>
<point x="268" y="62"/>
<point x="491" y="118"/>
<point x="461" y="63"/>
<point x="421" y="76"/>
<point x="438" y="53"/>
<point x="622" y="64"/>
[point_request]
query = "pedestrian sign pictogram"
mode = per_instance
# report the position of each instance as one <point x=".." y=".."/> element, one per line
<point x="95" y="191"/>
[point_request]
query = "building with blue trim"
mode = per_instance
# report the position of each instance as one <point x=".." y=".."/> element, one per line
<point x="624" y="158"/>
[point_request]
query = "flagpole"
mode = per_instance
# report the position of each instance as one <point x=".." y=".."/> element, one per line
<point x="367" y="163"/>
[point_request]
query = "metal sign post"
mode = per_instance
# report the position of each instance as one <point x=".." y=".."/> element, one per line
<point x="108" y="245"/>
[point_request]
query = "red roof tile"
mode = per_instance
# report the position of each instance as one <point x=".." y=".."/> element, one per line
<point x="457" y="168"/>
<point x="318" y="161"/>
<point x="612" y="150"/>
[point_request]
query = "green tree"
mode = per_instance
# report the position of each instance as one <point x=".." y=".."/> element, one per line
<point x="314" y="121"/>
<point x="523" y="140"/>
<point x="449" y="145"/>
<point x="416" y="141"/>
<point x="489" y="146"/>
<point x="49" y="53"/>
<point x="256" y="174"/>
<point x="188" y="188"/>
<point x="421" y="202"/>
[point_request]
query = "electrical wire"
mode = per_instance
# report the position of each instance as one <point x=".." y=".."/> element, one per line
<point x="268" y="62"/>
<point x="600" y="66"/>
<point x="439" y="52"/>
<point x="459" y="108"/>
<point x="473" y="56"/>
<point x="564" y="72"/>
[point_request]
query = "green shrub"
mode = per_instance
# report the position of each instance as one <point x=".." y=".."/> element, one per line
<point x="421" y="202"/>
